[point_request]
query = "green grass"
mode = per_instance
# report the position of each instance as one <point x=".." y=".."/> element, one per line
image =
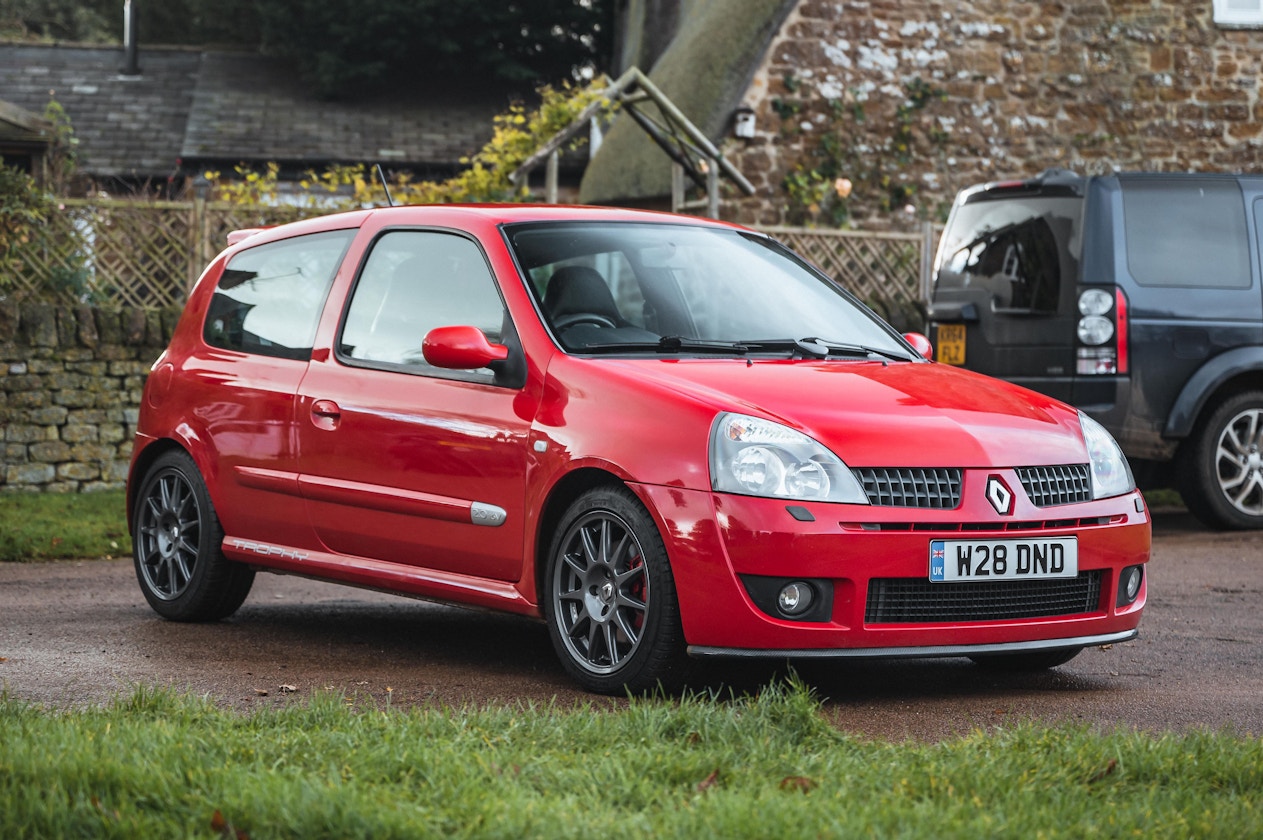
<point x="158" y="764"/>
<point x="51" y="526"/>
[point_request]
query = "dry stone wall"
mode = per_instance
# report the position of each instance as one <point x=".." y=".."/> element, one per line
<point x="875" y="112"/>
<point x="70" y="389"/>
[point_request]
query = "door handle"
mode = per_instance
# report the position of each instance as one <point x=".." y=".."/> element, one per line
<point x="325" y="414"/>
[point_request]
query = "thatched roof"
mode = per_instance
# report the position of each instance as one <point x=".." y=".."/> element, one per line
<point x="705" y="71"/>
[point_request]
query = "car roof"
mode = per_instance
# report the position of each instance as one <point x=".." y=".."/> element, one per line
<point x="465" y="214"/>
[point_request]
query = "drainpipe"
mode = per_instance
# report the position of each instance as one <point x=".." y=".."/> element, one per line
<point x="131" y="50"/>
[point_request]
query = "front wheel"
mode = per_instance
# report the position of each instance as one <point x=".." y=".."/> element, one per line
<point x="176" y="546"/>
<point x="1222" y="466"/>
<point x="610" y="598"/>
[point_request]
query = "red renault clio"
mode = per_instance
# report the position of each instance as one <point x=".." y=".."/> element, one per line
<point x="665" y="437"/>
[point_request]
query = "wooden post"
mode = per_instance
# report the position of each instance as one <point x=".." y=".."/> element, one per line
<point x="199" y="229"/>
<point x="712" y="188"/>
<point x="677" y="187"/>
<point x="550" y="177"/>
<point x="927" y="261"/>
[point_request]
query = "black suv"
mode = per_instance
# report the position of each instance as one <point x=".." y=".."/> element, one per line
<point x="1136" y="297"/>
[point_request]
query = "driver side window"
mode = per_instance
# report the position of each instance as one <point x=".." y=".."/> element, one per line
<point x="412" y="282"/>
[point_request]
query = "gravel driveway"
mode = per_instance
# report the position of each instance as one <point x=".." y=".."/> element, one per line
<point x="78" y="632"/>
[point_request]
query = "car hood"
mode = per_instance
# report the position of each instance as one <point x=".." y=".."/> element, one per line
<point x="875" y="414"/>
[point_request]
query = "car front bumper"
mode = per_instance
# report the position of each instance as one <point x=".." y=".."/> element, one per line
<point x="718" y="542"/>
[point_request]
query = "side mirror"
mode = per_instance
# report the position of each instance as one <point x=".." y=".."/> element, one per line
<point x="461" y="348"/>
<point x="921" y="344"/>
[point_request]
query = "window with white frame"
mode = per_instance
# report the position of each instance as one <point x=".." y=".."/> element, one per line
<point x="1239" y="13"/>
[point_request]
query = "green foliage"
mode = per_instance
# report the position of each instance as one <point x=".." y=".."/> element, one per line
<point x="157" y="764"/>
<point x="843" y="168"/>
<point x="62" y="157"/>
<point x="26" y="238"/>
<point x="24" y="210"/>
<point x="518" y="134"/>
<point x="345" y="47"/>
<point x="49" y="526"/>
<point x="60" y="20"/>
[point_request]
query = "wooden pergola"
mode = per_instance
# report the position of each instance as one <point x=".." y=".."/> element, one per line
<point x="693" y="155"/>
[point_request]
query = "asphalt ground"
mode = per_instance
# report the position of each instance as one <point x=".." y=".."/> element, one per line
<point x="79" y="632"/>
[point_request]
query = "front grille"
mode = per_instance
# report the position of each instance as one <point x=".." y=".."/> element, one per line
<point x="1048" y="486"/>
<point x="918" y="601"/>
<point x="911" y="487"/>
<point x="997" y="526"/>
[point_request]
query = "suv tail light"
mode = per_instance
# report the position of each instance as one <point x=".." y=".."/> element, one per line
<point x="1102" y="333"/>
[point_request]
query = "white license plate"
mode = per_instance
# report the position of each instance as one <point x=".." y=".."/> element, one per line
<point x="983" y="560"/>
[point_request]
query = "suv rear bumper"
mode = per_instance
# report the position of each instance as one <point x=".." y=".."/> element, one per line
<point x="1108" y="400"/>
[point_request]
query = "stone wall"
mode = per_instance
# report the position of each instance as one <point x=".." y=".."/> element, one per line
<point x="876" y="112"/>
<point x="70" y="389"/>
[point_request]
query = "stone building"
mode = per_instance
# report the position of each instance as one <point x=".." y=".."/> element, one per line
<point x="873" y="113"/>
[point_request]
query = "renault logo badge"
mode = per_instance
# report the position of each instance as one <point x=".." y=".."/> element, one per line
<point x="1000" y="496"/>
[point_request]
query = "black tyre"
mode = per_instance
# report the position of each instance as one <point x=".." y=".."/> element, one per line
<point x="1221" y="466"/>
<point x="1039" y="660"/>
<point x="610" y="598"/>
<point x="176" y="546"/>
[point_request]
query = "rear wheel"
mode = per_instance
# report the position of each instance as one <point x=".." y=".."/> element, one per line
<point x="1222" y="465"/>
<point x="610" y="597"/>
<point x="176" y="546"/>
<point x="1039" y="660"/>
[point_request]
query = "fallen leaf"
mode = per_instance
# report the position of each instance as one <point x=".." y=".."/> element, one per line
<point x="709" y="782"/>
<point x="1109" y="768"/>
<point x="799" y="783"/>
<point x="225" y="829"/>
<point x="96" y="803"/>
<point x="262" y="692"/>
<point x="288" y="689"/>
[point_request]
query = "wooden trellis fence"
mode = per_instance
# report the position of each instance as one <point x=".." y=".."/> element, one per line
<point x="888" y="271"/>
<point x="132" y="253"/>
<point x="147" y="254"/>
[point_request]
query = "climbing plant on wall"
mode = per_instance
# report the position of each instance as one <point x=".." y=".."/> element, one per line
<point x="858" y="159"/>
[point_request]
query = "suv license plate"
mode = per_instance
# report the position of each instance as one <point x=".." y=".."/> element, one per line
<point x="984" y="560"/>
<point x="951" y="344"/>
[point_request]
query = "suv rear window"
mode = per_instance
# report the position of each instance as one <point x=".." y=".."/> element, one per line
<point x="1022" y="249"/>
<point x="1188" y="232"/>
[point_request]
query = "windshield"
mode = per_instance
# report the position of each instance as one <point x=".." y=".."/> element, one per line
<point x="607" y="287"/>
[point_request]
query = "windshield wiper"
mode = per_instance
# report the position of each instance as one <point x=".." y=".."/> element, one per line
<point x="817" y="348"/>
<point x="669" y="344"/>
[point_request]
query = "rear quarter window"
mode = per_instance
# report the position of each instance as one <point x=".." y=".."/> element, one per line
<point x="1186" y="233"/>
<point x="268" y="300"/>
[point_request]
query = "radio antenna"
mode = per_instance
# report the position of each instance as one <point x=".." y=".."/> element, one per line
<point x="381" y="176"/>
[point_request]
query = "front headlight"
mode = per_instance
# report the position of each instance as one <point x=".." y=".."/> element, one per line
<point x="1111" y="476"/>
<point x="757" y="457"/>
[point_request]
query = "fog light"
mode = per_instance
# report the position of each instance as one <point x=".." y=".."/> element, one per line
<point x="795" y="598"/>
<point x="1129" y="584"/>
<point x="1097" y="360"/>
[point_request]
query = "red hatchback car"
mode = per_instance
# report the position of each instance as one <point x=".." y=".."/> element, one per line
<point x="665" y="437"/>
